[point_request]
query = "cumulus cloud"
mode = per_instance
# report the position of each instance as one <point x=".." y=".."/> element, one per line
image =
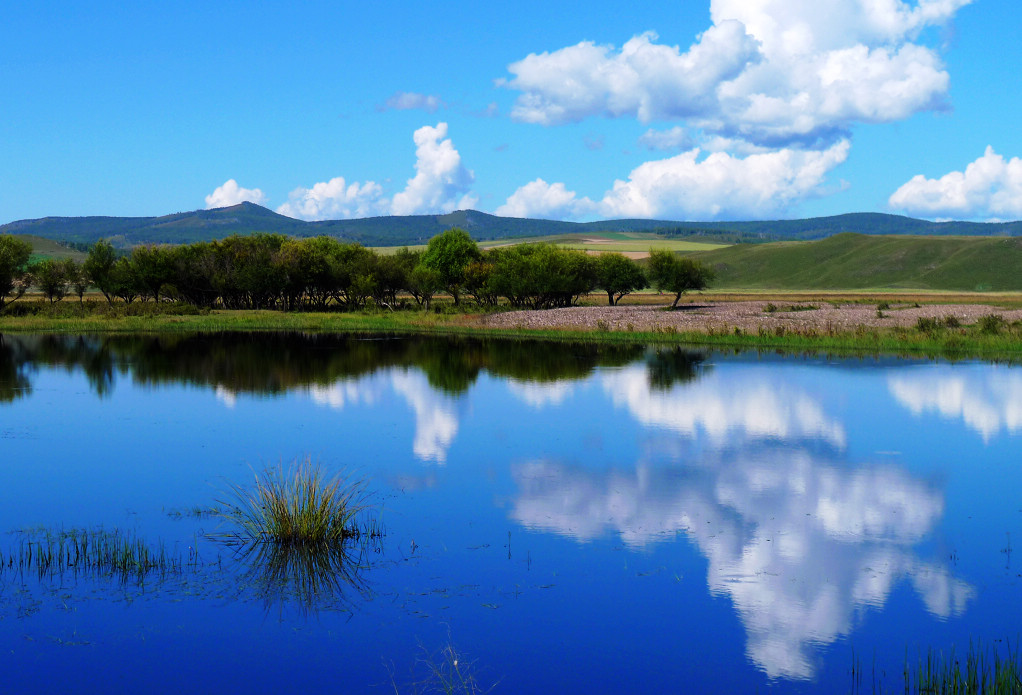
<point x="335" y="199"/>
<point x="441" y="182"/>
<point x="231" y="194"/>
<point x="407" y="101"/>
<point x="773" y="72"/>
<point x="684" y="186"/>
<point x="677" y="138"/>
<point x="541" y="199"/>
<point x="990" y="187"/>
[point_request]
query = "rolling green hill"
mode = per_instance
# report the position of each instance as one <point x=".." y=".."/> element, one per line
<point x="247" y="218"/>
<point x="859" y="261"/>
<point x="47" y="248"/>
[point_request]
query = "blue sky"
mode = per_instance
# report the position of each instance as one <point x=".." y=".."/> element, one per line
<point x="698" y="109"/>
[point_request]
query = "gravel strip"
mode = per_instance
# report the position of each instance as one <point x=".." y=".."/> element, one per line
<point x="748" y="316"/>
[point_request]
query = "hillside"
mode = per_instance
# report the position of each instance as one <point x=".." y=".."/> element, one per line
<point x="247" y="218"/>
<point x="859" y="261"/>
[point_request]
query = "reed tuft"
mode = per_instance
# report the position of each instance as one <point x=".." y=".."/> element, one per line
<point x="297" y="505"/>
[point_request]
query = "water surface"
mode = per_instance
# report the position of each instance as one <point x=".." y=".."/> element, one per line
<point x="571" y="518"/>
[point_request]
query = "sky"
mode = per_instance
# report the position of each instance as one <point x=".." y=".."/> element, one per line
<point x="685" y="110"/>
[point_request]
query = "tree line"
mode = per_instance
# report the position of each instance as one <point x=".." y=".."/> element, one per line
<point x="272" y="271"/>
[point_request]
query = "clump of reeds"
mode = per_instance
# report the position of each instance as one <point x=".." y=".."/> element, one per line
<point x="297" y="505"/>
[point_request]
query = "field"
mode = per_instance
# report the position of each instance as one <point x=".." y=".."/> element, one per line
<point x="861" y="262"/>
<point x="633" y="244"/>
<point x="45" y="248"/>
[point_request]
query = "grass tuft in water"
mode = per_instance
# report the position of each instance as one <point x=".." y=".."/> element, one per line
<point x="297" y="505"/>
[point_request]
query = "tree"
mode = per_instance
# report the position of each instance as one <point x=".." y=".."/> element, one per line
<point x="449" y="254"/>
<point x="14" y="280"/>
<point x="672" y="273"/>
<point x="99" y="266"/>
<point x="77" y="278"/>
<point x="51" y="278"/>
<point x="618" y="275"/>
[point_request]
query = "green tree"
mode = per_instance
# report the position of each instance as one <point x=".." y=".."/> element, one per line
<point x="14" y="278"/>
<point x="448" y="254"/>
<point x="99" y="267"/>
<point x="51" y="277"/>
<point x="77" y="279"/>
<point x="618" y="275"/>
<point x="672" y="273"/>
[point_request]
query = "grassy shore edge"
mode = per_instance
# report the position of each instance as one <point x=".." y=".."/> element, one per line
<point x="958" y="343"/>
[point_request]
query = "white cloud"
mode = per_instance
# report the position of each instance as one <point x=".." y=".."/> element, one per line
<point x="406" y="101"/>
<point x="771" y="71"/>
<point x="989" y="187"/>
<point x="541" y="199"/>
<point x="683" y="186"/>
<point x="677" y="138"/>
<point x="722" y="185"/>
<point x="231" y="194"/>
<point x="441" y="183"/>
<point x="335" y="199"/>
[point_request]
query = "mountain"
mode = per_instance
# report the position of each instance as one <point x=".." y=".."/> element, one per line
<point x="248" y="218"/>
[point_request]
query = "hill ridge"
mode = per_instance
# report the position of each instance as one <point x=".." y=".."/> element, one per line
<point x="392" y="230"/>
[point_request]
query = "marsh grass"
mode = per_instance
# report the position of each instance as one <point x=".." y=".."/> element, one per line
<point x="984" y="671"/>
<point x="98" y="552"/>
<point x="297" y="505"/>
<point x="444" y="671"/>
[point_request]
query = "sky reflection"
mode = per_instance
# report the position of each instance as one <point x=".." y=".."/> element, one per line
<point x="987" y="399"/>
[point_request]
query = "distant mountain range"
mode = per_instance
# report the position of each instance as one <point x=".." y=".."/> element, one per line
<point x="248" y="218"/>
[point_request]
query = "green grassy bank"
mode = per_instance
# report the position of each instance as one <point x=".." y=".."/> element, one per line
<point x="999" y="341"/>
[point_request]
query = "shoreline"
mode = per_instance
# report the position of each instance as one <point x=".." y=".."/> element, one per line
<point x="798" y="323"/>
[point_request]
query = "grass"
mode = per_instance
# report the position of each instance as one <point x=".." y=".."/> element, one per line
<point x="858" y="261"/>
<point x="985" y="671"/>
<point x="296" y="506"/>
<point x="49" y="553"/>
<point x="994" y="339"/>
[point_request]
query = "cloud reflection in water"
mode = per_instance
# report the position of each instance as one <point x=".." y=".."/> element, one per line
<point x="987" y="401"/>
<point x="798" y="539"/>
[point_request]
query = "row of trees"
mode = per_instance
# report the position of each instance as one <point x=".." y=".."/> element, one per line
<point x="266" y="271"/>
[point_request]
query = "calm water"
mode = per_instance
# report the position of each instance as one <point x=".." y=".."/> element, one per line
<point x="571" y="519"/>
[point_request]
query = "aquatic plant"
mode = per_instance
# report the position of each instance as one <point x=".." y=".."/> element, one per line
<point x="55" y="553"/>
<point x="445" y="671"/>
<point x="984" y="671"/>
<point x="297" y="505"/>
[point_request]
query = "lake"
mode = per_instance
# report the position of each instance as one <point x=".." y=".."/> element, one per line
<point x="569" y="518"/>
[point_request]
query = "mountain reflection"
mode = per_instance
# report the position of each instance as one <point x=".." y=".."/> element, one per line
<point x="987" y="401"/>
<point x="798" y="539"/>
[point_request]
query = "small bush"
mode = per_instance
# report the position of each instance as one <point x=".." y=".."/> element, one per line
<point x="928" y="324"/>
<point x="770" y="308"/>
<point x="991" y="324"/>
<point x="951" y="321"/>
<point x="883" y="306"/>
